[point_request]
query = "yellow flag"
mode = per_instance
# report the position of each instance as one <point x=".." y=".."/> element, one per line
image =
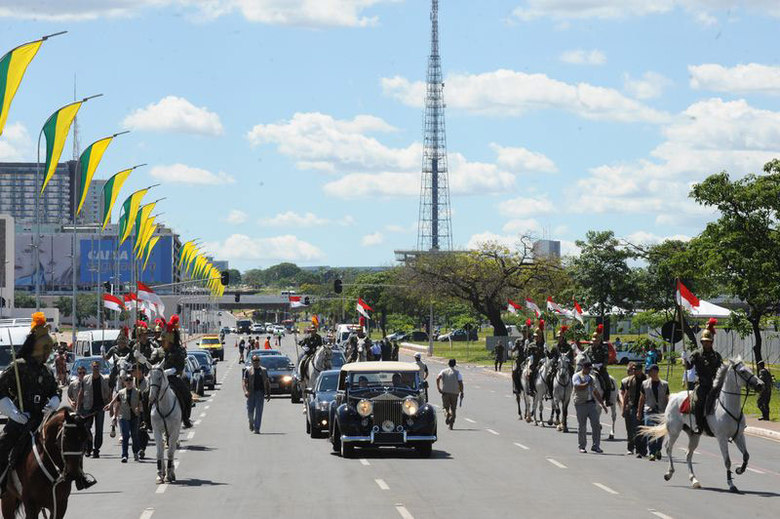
<point x="12" y="68"/>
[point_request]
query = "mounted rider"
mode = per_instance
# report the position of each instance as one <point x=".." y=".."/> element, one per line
<point x="172" y="356"/>
<point x="707" y="361"/>
<point x="309" y="346"/>
<point x="537" y="353"/>
<point x="29" y="392"/>
<point x="122" y="348"/>
<point x="561" y="349"/>
<point x="599" y="355"/>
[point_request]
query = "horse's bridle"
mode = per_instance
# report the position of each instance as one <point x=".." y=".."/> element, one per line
<point x="747" y="380"/>
<point x="156" y="401"/>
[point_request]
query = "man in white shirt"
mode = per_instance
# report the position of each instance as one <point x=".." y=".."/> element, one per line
<point x="450" y="383"/>
<point x="585" y="398"/>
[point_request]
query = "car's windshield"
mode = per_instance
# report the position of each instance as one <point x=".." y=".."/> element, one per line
<point x="105" y="369"/>
<point x="210" y="340"/>
<point x="337" y="360"/>
<point x="402" y="379"/>
<point x="5" y="355"/>
<point x="275" y="362"/>
<point x="328" y="382"/>
<point x="202" y="358"/>
<point x="100" y="347"/>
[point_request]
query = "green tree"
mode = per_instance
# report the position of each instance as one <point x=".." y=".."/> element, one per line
<point x="602" y="274"/>
<point x="741" y="249"/>
<point x="235" y="277"/>
<point x="25" y="300"/>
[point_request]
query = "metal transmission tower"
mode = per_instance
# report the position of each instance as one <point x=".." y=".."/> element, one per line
<point x="434" y="228"/>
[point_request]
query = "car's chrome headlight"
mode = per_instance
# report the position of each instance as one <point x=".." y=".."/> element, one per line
<point x="286" y="378"/>
<point x="365" y="407"/>
<point x="323" y="406"/>
<point x="410" y="407"/>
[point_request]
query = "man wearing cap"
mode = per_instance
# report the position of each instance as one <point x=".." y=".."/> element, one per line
<point x="706" y="361"/>
<point x="585" y="395"/>
<point x="450" y="384"/>
<point x="652" y="404"/>
<point x="423" y="376"/>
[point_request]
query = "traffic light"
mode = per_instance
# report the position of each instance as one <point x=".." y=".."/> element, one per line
<point x="107" y="286"/>
<point x="238" y="297"/>
<point x="225" y="278"/>
<point x="306" y="300"/>
<point x="337" y="286"/>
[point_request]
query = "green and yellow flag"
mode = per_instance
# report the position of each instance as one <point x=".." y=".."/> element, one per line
<point x="111" y="192"/>
<point x="130" y="210"/>
<point x="142" y="220"/>
<point x="185" y="251"/>
<point x="148" y="232"/>
<point x="88" y="163"/>
<point x="56" y="131"/>
<point x="12" y="68"/>
<point x="149" y="248"/>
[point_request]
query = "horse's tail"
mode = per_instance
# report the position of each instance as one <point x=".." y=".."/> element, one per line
<point x="654" y="432"/>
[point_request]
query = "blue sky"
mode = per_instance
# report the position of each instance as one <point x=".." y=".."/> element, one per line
<point x="291" y="129"/>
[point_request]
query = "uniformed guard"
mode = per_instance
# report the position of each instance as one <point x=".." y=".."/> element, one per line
<point x="537" y="352"/>
<point x="599" y="355"/>
<point x="159" y="326"/>
<point x="561" y="348"/>
<point x="28" y="391"/>
<point x="707" y="361"/>
<point x="172" y="356"/>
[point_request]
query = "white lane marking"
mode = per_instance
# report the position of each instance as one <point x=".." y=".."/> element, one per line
<point x="557" y="463"/>
<point x="605" y="488"/>
<point x="207" y="407"/>
<point x="202" y="415"/>
<point x="469" y="420"/>
<point x="522" y="446"/>
<point x="403" y="512"/>
<point x="191" y="435"/>
<point x="756" y="470"/>
<point x="196" y="422"/>
<point x="492" y="390"/>
<point x="659" y="514"/>
<point x="147" y="514"/>
<point x="477" y="387"/>
<point x="176" y="464"/>
<point x="161" y="488"/>
<point x="507" y="396"/>
<point x="381" y="484"/>
<point x="491" y="431"/>
<point x="364" y="461"/>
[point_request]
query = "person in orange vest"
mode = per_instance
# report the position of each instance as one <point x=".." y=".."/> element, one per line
<point x="267" y="344"/>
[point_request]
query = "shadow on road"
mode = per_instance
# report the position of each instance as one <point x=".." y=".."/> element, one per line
<point x="193" y="482"/>
<point x="741" y="492"/>
<point x="199" y="448"/>
<point x="395" y="453"/>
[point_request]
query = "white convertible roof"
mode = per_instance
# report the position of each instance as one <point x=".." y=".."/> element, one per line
<point x="357" y="367"/>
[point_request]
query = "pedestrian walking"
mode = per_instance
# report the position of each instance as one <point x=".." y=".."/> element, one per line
<point x="95" y="393"/>
<point x="60" y="363"/>
<point x="75" y="387"/>
<point x="395" y="350"/>
<point x="499" y="354"/>
<point x="585" y="398"/>
<point x="449" y="382"/>
<point x="630" y="391"/>
<point x="652" y="404"/>
<point x="376" y="350"/>
<point x="144" y="419"/>
<point x="257" y="391"/>
<point x="766" y="391"/>
<point x="423" y="375"/>
<point x="241" y="347"/>
<point x="652" y="357"/>
<point x="267" y="345"/>
<point x="126" y="406"/>
<point x="386" y="349"/>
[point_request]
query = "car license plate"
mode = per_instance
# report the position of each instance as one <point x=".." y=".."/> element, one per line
<point x="274" y="386"/>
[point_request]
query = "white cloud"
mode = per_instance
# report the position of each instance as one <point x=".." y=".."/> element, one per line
<point x="15" y="143"/>
<point x="479" y="239"/>
<point x="512" y="93"/>
<point x="183" y="174"/>
<point x="522" y="159"/>
<point x="648" y="238"/>
<point x="522" y="226"/>
<point x="293" y="219"/>
<point x="649" y="86"/>
<point x="236" y="217"/>
<point x="305" y="13"/>
<point x="583" y="57"/>
<point x="617" y="9"/>
<point x="369" y="240"/>
<point x="752" y="78"/>
<point x="522" y="207"/>
<point x="238" y="247"/>
<point x="394" y="228"/>
<point x="174" y="114"/>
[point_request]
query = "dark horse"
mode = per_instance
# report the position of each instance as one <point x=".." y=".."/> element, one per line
<point x="42" y="477"/>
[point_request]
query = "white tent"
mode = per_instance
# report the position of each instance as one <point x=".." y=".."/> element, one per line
<point x="706" y="310"/>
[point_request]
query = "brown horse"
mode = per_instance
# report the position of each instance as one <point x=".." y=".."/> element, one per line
<point x="42" y="478"/>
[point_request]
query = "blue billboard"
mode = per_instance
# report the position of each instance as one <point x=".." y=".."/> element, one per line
<point x="100" y="257"/>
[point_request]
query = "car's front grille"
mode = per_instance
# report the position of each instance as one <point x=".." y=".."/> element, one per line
<point x="387" y="410"/>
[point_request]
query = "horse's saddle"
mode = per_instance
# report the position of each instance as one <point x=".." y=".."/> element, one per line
<point x="687" y="406"/>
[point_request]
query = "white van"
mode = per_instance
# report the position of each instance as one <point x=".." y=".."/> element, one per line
<point x="11" y="335"/>
<point x="343" y="331"/>
<point x="94" y="342"/>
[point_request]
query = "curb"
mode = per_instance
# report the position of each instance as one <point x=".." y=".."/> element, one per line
<point x="761" y="432"/>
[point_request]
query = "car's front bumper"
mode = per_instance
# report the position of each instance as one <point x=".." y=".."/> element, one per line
<point x="389" y="439"/>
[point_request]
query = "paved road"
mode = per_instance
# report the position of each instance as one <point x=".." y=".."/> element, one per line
<point x="491" y="463"/>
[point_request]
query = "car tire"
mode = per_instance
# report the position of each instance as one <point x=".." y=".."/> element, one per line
<point x="424" y="449"/>
<point x="201" y="388"/>
<point x="347" y="450"/>
<point x="335" y="440"/>
<point x="295" y="397"/>
<point x="308" y="426"/>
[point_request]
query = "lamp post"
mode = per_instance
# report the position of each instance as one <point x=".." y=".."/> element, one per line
<point x="2" y="299"/>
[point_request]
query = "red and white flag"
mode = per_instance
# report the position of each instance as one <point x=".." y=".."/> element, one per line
<point x="145" y="293"/>
<point x="363" y="308"/>
<point x="577" y="312"/>
<point x="555" y="307"/>
<point x="685" y="297"/>
<point x="295" y="302"/>
<point x="532" y="306"/>
<point x="131" y="301"/>
<point x="113" y="303"/>
<point x="512" y="307"/>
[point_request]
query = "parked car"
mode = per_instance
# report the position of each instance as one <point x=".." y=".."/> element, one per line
<point x="628" y="354"/>
<point x="225" y="330"/>
<point x="280" y="372"/>
<point x="86" y="362"/>
<point x="194" y="375"/>
<point x="337" y="360"/>
<point x="244" y="326"/>
<point x="459" y="335"/>
<point x="258" y="328"/>
<point x="208" y="366"/>
<point x="381" y="404"/>
<point x="214" y="345"/>
<point x="318" y="402"/>
<point x="415" y="336"/>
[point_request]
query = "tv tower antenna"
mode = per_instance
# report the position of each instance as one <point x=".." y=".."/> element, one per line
<point x="434" y="226"/>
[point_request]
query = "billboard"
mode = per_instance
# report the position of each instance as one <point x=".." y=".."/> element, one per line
<point x="101" y="256"/>
<point x="54" y="271"/>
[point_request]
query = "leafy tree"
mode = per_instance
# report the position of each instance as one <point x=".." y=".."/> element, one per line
<point x="235" y="277"/>
<point x="741" y="249"/>
<point x="25" y="300"/>
<point x="602" y="274"/>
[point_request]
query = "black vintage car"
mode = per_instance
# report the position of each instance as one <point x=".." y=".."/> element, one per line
<point x="381" y="404"/>
<point x="318" y="402"/>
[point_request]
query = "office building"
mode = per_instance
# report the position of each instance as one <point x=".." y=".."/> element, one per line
<point x="18" y="191"/>
<point x="547" y="249"/>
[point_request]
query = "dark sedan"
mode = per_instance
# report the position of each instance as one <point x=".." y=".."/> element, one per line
<point x="280" y="373"/>
<point x="337" y="360"/>
<point x="207" y="366"/>
<point x="318" y="402"/>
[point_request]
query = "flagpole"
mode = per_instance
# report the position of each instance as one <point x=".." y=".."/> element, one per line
<point x="37" y="241"/>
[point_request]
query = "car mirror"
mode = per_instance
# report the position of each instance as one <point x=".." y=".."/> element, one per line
<point x="308" y="391"/>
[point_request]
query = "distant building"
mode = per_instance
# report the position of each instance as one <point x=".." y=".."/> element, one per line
<point x="6" y="262"/>
<point x="547" y="249"/>
<point x="221" y="265"/>
<point x="92" y="211"/>
<point x="18" y="190"/>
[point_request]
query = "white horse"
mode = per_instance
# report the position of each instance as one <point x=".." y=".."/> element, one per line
<point x="519" y="390"/>
<point x="319" y="363"/>
<point x="613" y="394"/>
<point x="166" y="420"/>
<point x="541" y="390"/>
<point x="727" y="421"/>
<point x="562" y="389"/>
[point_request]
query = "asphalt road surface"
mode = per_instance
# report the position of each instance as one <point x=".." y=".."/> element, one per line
<point x="492" y="465"/>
